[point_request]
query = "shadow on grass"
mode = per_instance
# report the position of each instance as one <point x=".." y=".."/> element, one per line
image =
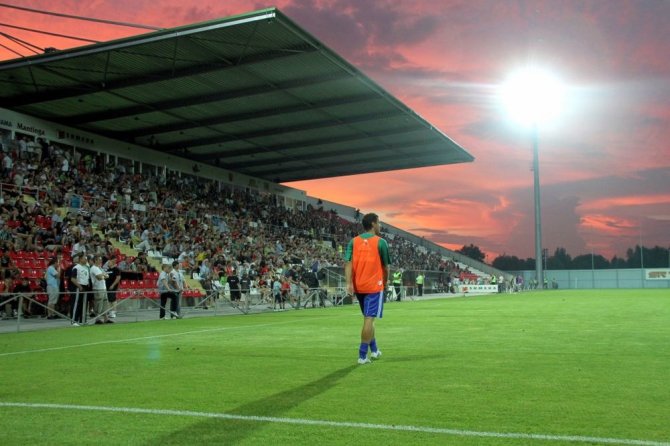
<point x="222" y="431"/>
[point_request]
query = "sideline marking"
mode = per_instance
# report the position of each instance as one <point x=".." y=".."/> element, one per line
<point x="303" y="421"/>
<point x="142" y="338"/>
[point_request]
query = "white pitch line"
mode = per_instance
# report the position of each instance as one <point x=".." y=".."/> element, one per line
<point x="143" y="338"/>
<point x="346" y="424"/>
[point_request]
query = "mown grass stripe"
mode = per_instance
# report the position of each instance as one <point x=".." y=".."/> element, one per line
<point x="344" y="424"/>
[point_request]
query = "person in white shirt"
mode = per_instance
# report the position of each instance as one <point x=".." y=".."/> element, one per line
<point x="82" y="285"/>
<point x="167" y="290"/>
<point x="100" y="302"/>
<point x="178" y="279"/>
<point x="7" y="165"/>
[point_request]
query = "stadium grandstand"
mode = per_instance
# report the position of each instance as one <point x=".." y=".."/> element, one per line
<point x="170" y="148"/>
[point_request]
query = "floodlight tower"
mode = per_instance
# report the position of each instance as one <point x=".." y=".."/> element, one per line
<point x="534" y="97"/>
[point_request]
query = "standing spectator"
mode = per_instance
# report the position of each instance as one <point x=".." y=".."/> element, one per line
<point x="294" y="282"/>
<point x="100" y="300"/>
<point x="366" y="272"/>
<point x="82" y="286"/>
<point x="6" y="289"/>
<point x="397" y="284"/>
<point x="234" y="285"/>
<point x="52" y="276"/>
<point x="22" y="293"/>
<point x="112" y="283"/>
<point x="178" y="279"/>
<point x="420" y="279"/>
<point x="276" y="293"/>
<point x="7" y="166"/>
<point x="245" y="289"/>
<point x="167" y="291"/>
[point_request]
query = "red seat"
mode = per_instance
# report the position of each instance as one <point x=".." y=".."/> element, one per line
<point x="22" y="263"/>
<point x="41" y="263"/>
<point x="151" y="294"/>
<point x="123" y="294"/>
<point x="135" y="284"/>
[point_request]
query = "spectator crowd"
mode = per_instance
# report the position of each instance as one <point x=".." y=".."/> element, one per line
<point x="59" y="203"/>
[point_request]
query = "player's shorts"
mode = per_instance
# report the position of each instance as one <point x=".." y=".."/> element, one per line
<point x="372" y="304"/>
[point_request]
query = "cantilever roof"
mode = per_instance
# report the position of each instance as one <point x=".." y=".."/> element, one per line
<point x="253" y="93"/>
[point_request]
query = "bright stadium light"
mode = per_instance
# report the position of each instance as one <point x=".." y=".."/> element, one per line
<point x="534" y="97"/>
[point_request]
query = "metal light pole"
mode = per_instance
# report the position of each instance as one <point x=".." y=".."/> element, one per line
<point x="534" y="96"/>
<point x="538" y="216"/>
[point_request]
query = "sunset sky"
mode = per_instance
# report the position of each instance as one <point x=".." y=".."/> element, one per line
<point x="604" y="165"/>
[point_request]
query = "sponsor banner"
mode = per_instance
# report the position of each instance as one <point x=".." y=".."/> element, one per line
<point x="657" y="274"/>
<point x="478" y="288"/>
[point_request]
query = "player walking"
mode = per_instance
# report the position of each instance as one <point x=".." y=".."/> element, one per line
<point x="366" y="272"/>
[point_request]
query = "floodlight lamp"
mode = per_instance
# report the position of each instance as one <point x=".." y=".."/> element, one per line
<point x="533" y="96"/>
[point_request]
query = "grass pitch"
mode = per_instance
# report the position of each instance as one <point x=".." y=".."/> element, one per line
<point x="555" y="367"/>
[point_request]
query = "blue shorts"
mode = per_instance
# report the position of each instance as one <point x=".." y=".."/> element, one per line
<point x="372" y="304"/>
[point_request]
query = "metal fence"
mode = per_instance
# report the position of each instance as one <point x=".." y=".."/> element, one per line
<point x="596" y="278"/>
<point x="28" y="311"/>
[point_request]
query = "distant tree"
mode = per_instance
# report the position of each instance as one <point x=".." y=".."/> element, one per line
<point x="656" y="257"/>
<point x="507" y="263"/>
<point x="588" y="261"/>
<point x="560" y="260"/>
<point x="617" y="262"/>
<point x="582" y="262"/>
<point x="473" y="252"/>
<point x="600" y="262"/>
<point x="634" y="257"/>
<point x="512" y="263"/>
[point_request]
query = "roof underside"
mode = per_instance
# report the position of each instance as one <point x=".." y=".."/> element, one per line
<point x="253" y="93"/>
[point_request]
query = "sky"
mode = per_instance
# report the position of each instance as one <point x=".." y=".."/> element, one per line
<point x="604" y="162"/>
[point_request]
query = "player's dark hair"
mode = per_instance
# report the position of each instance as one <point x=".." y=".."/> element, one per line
<point x="368" y="220"/>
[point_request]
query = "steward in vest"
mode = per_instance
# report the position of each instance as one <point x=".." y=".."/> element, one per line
<point x="397" y="284"/>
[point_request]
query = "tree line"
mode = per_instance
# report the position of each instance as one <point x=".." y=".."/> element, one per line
<point x="640" y="256"/>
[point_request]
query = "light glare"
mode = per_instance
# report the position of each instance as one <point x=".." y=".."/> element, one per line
<point x="533" y="96"/>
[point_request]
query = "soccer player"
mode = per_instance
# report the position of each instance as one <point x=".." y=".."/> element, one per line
<point x="367" y="271"/>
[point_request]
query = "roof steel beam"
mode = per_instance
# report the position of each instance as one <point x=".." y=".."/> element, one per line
<point x="135" y="80"/>
<point x="272" y="111"/>
<point x="199" y="99"/>
<point x="309" y="143"/>
<point x="218" y="139"/>
<point x="333" y="152"/>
